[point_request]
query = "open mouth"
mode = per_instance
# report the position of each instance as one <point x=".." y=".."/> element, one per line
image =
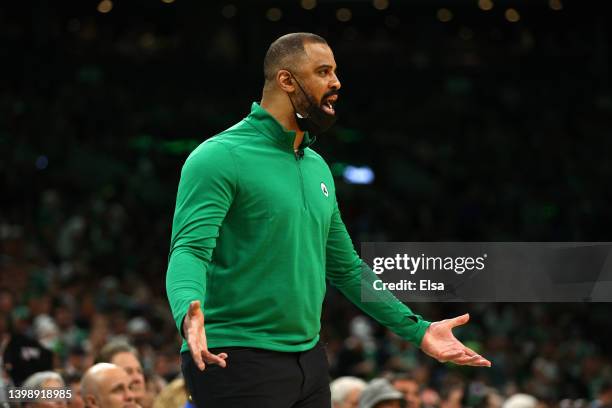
<point x="329" y="103"/>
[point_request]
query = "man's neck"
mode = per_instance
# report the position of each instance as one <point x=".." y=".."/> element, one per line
<point x="283" y="112"/>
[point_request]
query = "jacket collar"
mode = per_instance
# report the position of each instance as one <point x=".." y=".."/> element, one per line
<point x="267" y="125"/>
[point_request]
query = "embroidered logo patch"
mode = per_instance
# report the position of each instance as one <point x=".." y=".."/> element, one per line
<point x="324" y="190"/>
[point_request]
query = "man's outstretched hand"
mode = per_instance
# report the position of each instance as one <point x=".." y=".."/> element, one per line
<point x="193" y="330"/>
<point x="440" y="344"/>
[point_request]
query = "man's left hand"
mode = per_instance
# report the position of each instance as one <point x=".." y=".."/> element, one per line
<point x="440" y="343"/>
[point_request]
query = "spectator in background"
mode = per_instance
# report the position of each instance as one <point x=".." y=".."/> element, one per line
<point x="154" y="385"/>
<point x="42" y="381"/>
<point x="77" y="361"/>
<point x="125" y="356"/>
<point x="430" y="398"/>
<point x="604" y="396"/>
<point x="174" y="395"/>
<point x="107" y="385"/>
<point x="520" y="401"/>
<point x="492" y="399"/>
<point x="408" y="385"/>
<point x="22" y="355"/>
<point x="451" y="396"/>
<point x="379" y="393"/>
<point x="345" y="392"/>
<point x="73" y="381"/>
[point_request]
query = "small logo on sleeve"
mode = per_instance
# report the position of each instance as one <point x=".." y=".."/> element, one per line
<point x="324" y="190"/>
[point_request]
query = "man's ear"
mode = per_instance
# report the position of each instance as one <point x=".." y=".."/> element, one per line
<point x="284" y="80"/>
<point x="90" y="401"/>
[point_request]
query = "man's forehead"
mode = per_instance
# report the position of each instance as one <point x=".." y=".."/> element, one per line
<point x="125" y="358"/>
<point x="405" y="383"/>
<point x="319" y="54"/>
<point x="114" y="376"/>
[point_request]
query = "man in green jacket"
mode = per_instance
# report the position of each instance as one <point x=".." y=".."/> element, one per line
<point x="256" y="234"/>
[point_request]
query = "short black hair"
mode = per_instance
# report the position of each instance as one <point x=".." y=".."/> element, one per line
<point x="283" y="52"/>
<point x="71" y="378"/>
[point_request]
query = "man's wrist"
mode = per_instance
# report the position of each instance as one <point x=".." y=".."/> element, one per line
<point x="421" y="330"/>
<point x="415" y="332"/>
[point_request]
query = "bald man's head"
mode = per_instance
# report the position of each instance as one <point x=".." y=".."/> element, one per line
<point x="107" y="385"/>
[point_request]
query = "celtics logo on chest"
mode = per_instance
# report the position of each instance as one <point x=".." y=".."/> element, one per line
<point x="324" y="189"/>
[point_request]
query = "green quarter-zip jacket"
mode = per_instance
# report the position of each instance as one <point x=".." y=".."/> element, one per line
<point x="256" y="233"/>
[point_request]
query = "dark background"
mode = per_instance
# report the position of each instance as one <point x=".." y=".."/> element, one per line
<point x="477" y="129"/>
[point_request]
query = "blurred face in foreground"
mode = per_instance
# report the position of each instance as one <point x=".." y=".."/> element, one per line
<point x="389" y="404"/>
<point x="111" y="390"/>
<point x="410" y="389"/>
<point x="132" y="367"/>
<point x="351" y="400"/>
<point x="76" y="401"/>
<point x="49" y="384"/>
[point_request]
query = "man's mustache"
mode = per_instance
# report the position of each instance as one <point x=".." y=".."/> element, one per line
<point x="328" y="94"/>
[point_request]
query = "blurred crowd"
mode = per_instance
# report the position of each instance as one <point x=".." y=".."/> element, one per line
<point x="476" y="129"/>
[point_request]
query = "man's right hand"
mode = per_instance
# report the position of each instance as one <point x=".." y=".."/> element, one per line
<point x="193" y="330"/>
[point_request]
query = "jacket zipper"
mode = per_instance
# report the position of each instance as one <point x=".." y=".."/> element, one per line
<point x="298" y="157"/>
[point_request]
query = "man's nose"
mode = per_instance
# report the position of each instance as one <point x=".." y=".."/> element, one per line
<point x="335" y="83"/>
<point x="129" y="395"/>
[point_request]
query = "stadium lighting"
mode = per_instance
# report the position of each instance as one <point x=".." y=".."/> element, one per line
<point x="444" y="15"/>
<point x="344" y="15"/>
<point x="512" y="15"/>
<point x="485" y="5"/>
<point x="380" y="4"/>
<point x="309" y="4"/>
<point x="105" y="6"/>
<point x="274" y="14"/>
<point x="555" y="4"/>
<point x="42" y="162"/>
<point x="358" y="175"/>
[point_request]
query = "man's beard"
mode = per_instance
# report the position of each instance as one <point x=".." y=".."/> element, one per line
<point x="309" y="115"/>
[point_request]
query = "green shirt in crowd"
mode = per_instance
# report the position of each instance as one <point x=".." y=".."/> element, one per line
<point x="256" y="233"/>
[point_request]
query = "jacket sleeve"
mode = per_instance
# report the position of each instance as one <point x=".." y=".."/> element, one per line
<point x="347" y="272"/>
<point x="206" y="190"/>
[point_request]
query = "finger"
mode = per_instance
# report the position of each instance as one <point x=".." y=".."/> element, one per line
<point x="475" y="360"/>
<point x="458" y="321"/>
<point x="481" y="362"/>
<point x="196" y="354"/>
<point x="469" y="351"/>
<point x="200" y="341"/>
<point x="467" y="360"/>
<point x="451" y="355"/>
<point x="481" y="359"/>
<point x="214" y="359"/>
